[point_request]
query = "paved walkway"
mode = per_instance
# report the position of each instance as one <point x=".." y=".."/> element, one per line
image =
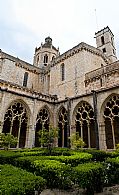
<point x="114" y="190"/>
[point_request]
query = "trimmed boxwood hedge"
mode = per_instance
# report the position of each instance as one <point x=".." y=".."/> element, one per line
<point x="7" y="157"/>
<point x="74" y="160"/>
<point x="15" y="181"/>
<point x="90" y="176"/>
<point x="112" y="171"/>
<point x="57" y="174"/>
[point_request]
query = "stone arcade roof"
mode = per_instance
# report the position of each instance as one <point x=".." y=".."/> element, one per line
<point x="24" y="91"/>
<point x="105" y="70"/>
<point x="21" y="63"/>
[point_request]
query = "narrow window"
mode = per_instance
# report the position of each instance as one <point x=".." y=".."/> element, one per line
<point x="37" y="59"/>
<point x="102" y="40"/>
<point x="101" y="82"/>
<point x="45" y="59"/>
<point x="104" y="50"/>
<point x="62" y="72"/>
<point x="53" y="57"/>
<point x="25" y="79"/>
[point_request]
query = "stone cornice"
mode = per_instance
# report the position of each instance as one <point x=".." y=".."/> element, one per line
<point x="77" y="49"/>
<point x="23" y="91"/>
<point x="103" y="71"/>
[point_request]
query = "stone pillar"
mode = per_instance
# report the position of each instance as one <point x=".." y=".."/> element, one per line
<point x="30" y="136"/>
<point x="102" y="136"/>
<point x="55" y="124"/>
<point x="1" y="126"/>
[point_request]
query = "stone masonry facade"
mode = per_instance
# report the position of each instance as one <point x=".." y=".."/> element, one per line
<point x="77" y="91"/>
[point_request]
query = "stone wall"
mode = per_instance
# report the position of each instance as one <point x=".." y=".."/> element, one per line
<point x="104" y="77"/>
<point x="76" y="66"/>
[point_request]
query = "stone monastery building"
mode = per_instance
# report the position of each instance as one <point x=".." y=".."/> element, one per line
<point x="78" y="91"/>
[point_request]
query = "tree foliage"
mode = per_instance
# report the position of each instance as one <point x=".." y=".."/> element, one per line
<point x="7" y="140"/>
<point x="76" y="141"/>
<point x="47" y="138"/>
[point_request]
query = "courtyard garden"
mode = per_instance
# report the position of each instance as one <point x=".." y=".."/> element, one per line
<point x="29" y="171"/>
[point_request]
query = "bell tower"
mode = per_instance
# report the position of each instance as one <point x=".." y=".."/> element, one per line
<point x="105" y="42"/>
<point x="45" y="53"/>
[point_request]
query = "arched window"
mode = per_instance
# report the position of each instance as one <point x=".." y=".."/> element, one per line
<point x="62" y="72"/>
<point x="45" y="59"/>
<point x="62" y="124"/>
<point x="42" y="121"/>
<point x="15" y="122"/>
<point x="53" y="57"/>
<point x="111" y="117"/>
<point x="25" y="79"/>
<point x="84" y="121"/>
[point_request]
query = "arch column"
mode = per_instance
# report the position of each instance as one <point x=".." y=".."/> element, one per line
<point x="89" y="144"/>
<point x="30" y="134"/>
<point x="102" y="136"/>
<point x="113" y="134"/>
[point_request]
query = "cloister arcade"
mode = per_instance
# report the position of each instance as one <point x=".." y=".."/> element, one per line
<point x="17" y="117"/>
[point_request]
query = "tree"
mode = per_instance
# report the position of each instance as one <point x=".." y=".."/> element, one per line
<point x="76" y="141"/>
<point x="47" y="138"/>
<point x="7" y="140"/>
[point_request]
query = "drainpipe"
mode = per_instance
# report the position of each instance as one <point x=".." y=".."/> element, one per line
<point x="95" y="118"/>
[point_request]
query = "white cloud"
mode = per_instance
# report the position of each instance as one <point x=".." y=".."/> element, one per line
<point x="68" y="22"/>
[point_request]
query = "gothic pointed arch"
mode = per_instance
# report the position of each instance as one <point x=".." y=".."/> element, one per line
<point x="111" y="120"/>
<point x="83" y="117"/>
<point x="62" y="124"/>
<point x="16" y="121"/>
<point x="42" y="121"/>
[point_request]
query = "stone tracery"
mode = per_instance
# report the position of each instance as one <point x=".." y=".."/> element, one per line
<point x="111" y="116"/>
<point x="84" y="121"/>
<point x="62" y="124"/>
<point x="43" y="120"/>
<point x="16" y="121"/>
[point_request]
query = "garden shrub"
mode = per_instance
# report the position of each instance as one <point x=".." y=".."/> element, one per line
<point x="26" y="161"/>
<point x="98" y="155"/>
<point x="90" y="176"/>
<point x="112" y="171"/>
<point x="57" y="174"/>
<point x="15" y="181"/>
<point x="76" y="159"/>
<point x="60" y="151"/>
<point x="7" y="157"/>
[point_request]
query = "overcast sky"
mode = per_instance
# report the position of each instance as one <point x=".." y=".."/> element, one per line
<point x="24" y="24"/>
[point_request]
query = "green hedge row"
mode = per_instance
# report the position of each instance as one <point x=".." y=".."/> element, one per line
<point x="57" y="174"/>
<point x="112" y="171"/>
<point x="15" y="181"/>
<point x="90" y="176"/>
<point x="26" y="161"/>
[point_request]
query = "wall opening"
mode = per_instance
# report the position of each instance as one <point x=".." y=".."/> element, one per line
<point x="84" y="122"/>
<point x="111" y="119"/>
<point x="62" y="124"/>
<point x="42" y="121"/>
<point x="15" y="123"/>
